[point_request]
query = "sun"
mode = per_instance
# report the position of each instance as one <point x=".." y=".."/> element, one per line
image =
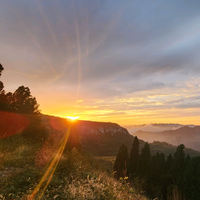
<point x="72" y="118"/>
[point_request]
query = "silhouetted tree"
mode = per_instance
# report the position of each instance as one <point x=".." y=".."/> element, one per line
<point x="1" y="68"/>
<point x="121" y="162"/>
<point x="2" y="92"/>
<point x="23" y="102"/>
<point x="134" y="158"/>
<point x="144" y="161"/>
<point x="156" y="179"/>
<point x="178" y="163"/>
<point x="169" y="162"/>
<point x="191" y="179"/>
<point x="3" y="101"/>
<point x="1" y="86"/>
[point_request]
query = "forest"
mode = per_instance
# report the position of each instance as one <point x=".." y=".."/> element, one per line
<point x="174" y="177"/>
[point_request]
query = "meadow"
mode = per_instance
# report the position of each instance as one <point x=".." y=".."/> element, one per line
<point x="23" y="174"/>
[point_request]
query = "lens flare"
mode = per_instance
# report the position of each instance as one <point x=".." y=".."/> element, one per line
<point x="12" y="123"/>
<point x="51" y="169"/>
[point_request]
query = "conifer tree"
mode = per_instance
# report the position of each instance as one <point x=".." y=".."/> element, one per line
<point x="168" y="163"/>
<point x="134" y="158"/>
<point x="191" y="179"/>
<point x="179" y="159"/>
<point x="144" y="161"/>
<point x="121" y="162"/>
<point x="178" y="168"/>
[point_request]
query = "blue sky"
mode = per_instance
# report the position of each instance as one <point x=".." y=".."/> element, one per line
<point x="130" y="62"/>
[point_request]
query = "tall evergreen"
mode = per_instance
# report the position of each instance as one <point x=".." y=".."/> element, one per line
<point x="155" y="178"/>
<point x="144" y="161"/>
<point x="134" y="158"/>
<point x="121" y="162"/>
<point x="169" y="162"/>
<point x="191" y="179"/>
<point x="178" y="163"/>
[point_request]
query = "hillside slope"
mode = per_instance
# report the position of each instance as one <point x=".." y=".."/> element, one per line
<point x="105" y="138"/>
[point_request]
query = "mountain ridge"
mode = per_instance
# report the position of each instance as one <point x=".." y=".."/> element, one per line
<point x="105" y="138"/>
<point x="186" y="135"/>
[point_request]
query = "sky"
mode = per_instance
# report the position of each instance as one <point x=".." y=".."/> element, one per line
<point x="129" y="62"/>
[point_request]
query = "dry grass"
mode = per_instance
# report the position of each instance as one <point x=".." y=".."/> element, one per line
<point x="77" y="176"/>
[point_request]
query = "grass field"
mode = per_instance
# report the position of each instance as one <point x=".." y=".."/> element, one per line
<point x="74" y="176"/>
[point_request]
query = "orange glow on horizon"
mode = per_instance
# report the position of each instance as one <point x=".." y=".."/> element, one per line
<point x="73" y="118"/>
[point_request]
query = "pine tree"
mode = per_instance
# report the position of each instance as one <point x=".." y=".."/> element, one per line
<point x="179" y="159"/>
<point x="134" y="158"/>
<point x="144" y="161"/>
<point x="169" y="162"/>
<point x="191" y="179"/>
<point x="121" y="162"/>
<point x="177" y="170"/>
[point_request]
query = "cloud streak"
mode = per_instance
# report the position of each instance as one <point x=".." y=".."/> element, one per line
<point x="103" y="51"/>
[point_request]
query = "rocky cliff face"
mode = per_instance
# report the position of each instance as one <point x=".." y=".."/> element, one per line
<point x="97" y="138"/>
<point x="105" y="138"/>
<point x="88" y="127"/>
<point x="101" y="138"/>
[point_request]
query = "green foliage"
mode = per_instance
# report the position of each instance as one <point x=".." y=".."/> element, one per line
<point x="77" y="176"/>
<point x="15" y="151"/>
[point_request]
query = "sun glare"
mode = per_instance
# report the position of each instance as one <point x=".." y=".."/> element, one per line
<point x="72" y="118"/>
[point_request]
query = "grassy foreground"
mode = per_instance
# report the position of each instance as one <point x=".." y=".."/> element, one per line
<point x="76" y="176"/>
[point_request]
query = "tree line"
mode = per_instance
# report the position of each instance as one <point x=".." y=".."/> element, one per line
<point x="172" y="177"/>
<point x="19" y="113"/>
<point x="20" y="110"/>
<point x="21" y="101"/>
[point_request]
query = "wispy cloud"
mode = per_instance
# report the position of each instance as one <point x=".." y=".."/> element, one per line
<point x="118" y="56"/>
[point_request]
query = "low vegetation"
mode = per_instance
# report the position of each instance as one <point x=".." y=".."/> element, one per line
<point x="76" y="176"/>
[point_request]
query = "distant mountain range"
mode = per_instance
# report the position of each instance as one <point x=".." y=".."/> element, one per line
<point x="189" y="136"/>
<point x="154" y="127"/>
<point x="105" y="138"/>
